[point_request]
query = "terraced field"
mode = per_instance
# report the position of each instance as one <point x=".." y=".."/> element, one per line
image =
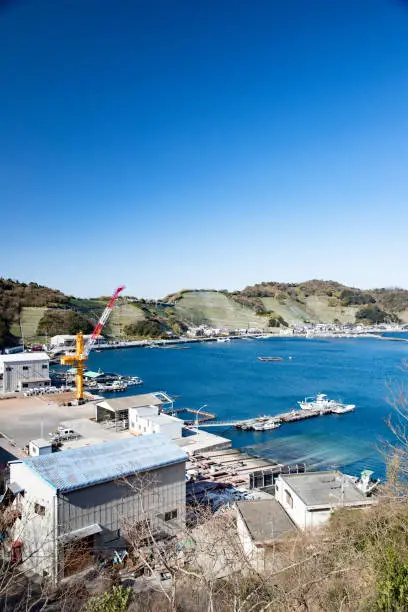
<point x="30" y="317"/>
<point x="316" y="309"/>
<point x="216" y="310"/>
<point x="123" y="314"/>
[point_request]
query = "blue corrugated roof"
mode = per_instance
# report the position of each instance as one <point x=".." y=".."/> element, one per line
<point x="83" y="467"/>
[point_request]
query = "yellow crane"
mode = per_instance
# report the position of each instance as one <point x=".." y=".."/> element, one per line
<point x="82" y="350"/>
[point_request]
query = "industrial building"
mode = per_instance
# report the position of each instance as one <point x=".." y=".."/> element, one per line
<point x="75" y="504"/>
<point x="23" y="371"/>
<point x="116" y="411"/>
<point x="310" y="498"/>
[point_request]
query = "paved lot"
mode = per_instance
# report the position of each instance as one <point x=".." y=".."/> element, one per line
<point x="28" y="418"/>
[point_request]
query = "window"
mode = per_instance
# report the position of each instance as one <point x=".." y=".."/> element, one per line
<point x="168" y="516"/>
<point x="44" y="367"/>
<point x="25" y="367"/>
<point x="288" y="499"/>
<point x="39" y="509"/>
<point x="25" y="385"/>
<point x="8" y="369"/>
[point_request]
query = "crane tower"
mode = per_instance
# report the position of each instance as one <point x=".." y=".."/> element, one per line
<point x="82" y="351"/>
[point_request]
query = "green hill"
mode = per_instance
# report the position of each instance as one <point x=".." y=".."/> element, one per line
<point x="36" y="312"/>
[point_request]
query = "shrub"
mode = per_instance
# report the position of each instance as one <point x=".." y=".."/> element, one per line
<point x="116" y="600"/>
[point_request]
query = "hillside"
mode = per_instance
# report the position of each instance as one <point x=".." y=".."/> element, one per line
<point x="35" y="312"/>
<point x="216" y="310"/>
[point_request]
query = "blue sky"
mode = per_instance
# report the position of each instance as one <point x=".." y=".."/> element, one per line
<point x="175" y="144"/>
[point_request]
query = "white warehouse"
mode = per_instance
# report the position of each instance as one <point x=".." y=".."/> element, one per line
<point x="75" y="504"/>
<point x="22" y="371"/>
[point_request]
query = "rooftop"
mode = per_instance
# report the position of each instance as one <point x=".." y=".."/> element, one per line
<point x="324" y="488"/>
<point x="131" y="401"/>
<point x="160" y="419"/>
<point x="265" y="519"/>
<point x="91" y="465"/>
<point x="41" y="443"/>
<point x="16" y="357"/>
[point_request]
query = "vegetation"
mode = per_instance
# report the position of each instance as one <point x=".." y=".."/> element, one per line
<point x="147" y="328"/>
<point x="277" y="321"/>
<point x="116" y="600"/>
<point x="14" y="296"/>
<point x="56" y="322"/>
<point x="352" y="297"/>
<point x="374" y="314"/>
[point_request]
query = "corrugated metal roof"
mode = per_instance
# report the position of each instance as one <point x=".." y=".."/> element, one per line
<point x="83" y="467"/>
<point x="131" y="401"/>
<point x="78" y="534"/>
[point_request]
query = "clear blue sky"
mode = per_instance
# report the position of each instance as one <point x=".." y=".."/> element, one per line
<point x="172" y="144"/>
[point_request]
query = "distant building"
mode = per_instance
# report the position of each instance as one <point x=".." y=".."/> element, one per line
<point x="66" y="340"/>
<point x="79" y="503"/>
<point x="261" y="527"/>
<point x="310" y="498"/>
<point x="23" y="371"/>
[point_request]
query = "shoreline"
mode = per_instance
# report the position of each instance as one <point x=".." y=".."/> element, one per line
<point x="152" y="344"/>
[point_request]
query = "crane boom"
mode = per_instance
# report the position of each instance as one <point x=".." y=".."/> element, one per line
<point x="99" y="326"/>
<point x="80" y="356"/>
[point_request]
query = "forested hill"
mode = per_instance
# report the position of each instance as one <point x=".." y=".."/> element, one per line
<point x="35" y="312"/>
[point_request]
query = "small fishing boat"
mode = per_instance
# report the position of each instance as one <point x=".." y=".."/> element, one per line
<point x="270" y="358"/>
<point x="343" y="408"/>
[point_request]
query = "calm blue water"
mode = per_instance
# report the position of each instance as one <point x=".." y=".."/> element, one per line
<point x="234" y="384"/>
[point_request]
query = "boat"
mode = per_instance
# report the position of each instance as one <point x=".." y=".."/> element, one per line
<point x="318" y="402"/>
<point x="265" y="425"/>
<point x="342" y="409"/>
<point x="223" y="339"/>
<point x="270" y="358"/>
<point x="365" y="482"/>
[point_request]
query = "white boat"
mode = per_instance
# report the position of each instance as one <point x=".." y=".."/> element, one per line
<point x="318" y="402"/>
<point x="343" y="408"/>
<point x="223" y="339"/>
<point x="265" y="425"/>
<point x="271" y="425"/>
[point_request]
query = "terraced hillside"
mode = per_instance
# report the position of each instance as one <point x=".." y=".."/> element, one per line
<point x="217" y="310"/>
<point x="316" y="309"/>
<point x="30" y="318"/>
<point x="123" y="314"/>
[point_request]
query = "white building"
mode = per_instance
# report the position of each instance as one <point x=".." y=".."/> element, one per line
<point x="69" y="340"/>
<point x="22" y="371"/>
<point x="310" y="498"/>
<point x="77" y="503"/>
<point x="147" y="420"/>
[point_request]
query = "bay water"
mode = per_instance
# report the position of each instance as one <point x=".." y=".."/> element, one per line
<point x="234" y="384"/>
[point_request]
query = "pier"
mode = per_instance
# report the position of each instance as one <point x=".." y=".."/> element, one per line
<point x="279" y="419"/>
